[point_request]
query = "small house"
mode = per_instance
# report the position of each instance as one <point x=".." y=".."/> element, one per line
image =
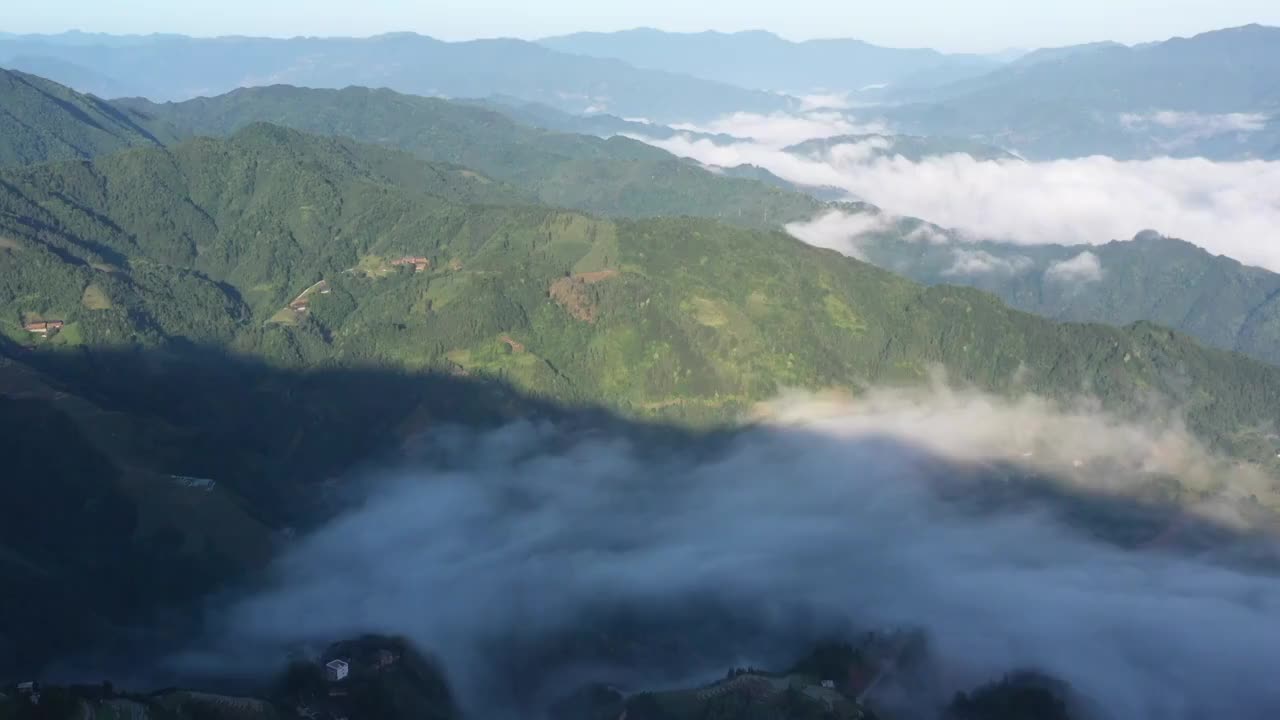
<point x="336" y="670"/>
<point x="26" y="688"/>
<point x="419" y="263"/>
<point x="829" y="684"/>
<point x="43" y="327"/>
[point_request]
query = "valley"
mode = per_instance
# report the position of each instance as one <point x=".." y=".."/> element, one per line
<point x="402" y="377"/>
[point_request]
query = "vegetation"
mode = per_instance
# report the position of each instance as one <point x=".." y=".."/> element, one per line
<point x="1170" y="282"/>
<point x="43" y="121"/>
<point x="388" y="680"/>
<point x="616" y="177"/>
<point x="673" y="317"/>
<point x="1019" y="696"/>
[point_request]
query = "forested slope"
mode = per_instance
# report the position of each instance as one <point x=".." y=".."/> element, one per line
<point x="42" y="120"/>
<point x="615" y="177"/>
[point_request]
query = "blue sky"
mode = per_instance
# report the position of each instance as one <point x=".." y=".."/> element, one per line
<point x="971" y="25"/>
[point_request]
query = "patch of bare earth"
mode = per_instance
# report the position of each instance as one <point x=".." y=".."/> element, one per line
<point x="516" y="347"/>
<point x="571" y="293"/>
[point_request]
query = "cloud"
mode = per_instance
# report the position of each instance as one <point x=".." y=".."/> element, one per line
<point x="861" y="151"/>
<point x="841" y="231"/>
<point x="981" y="262"/>
<point x="1229" y="208"/>
<point x="529" y="559"/>
<point x="825" y="101"/>
<point x="1085" y="267"/>
<point x="783" y="129"/>
<point x="926" y="233"/>
<point x="1200" y="124"/>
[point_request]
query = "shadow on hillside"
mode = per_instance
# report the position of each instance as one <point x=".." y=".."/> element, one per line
<point x="277" y="443"/>
<point x="89" y="562"/>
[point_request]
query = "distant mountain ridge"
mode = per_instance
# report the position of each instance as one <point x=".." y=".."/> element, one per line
<point x="1213" y="94"/>
<point x="763" y="60"/>
<point x="167" y="67"/>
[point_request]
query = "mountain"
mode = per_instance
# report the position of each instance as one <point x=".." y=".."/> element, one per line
<point x="913" y="148"/>
<point x="166" y="67"/>
<point x="41" y="121"/>
<point x="1211" y="94"/>
<point x="1149" y="278"/>
<point x="616" y="177"/>
<point x="549" y="118"/>
<point x="762" y="60"/>
<point x="1222" y="71"/>
<point x="387" y="679"/>
<point x="238" y="321"/>
<point x="282" y="245"/>
<point x="391" y="680"/>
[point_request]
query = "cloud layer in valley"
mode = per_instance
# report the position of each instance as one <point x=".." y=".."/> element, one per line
<point x="508" y="547"/>
<point x="1230" y="208"/>
<point x="779" y="130"/>
<point x="1199" y="124"/>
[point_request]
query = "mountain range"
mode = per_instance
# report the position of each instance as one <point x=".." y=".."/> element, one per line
<point x="289" y="250"/>
<point x="213" y="309"/>
<point x="622" y="178"/>
<point x="1208" y="95"/>
<point x="167" y="67"/>
<point x="762" y="60"/>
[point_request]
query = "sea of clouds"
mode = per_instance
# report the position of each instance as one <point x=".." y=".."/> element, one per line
<point x="529" y="562"/>
<point x="1228" y="208"/>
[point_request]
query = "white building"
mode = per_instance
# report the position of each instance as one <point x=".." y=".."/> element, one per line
<point x="336" y="670"/>
<point x="830" y="684"/>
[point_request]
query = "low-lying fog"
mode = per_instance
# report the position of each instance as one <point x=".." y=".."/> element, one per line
<point x="529" y="562"/>
<point x="1228" y="208"/>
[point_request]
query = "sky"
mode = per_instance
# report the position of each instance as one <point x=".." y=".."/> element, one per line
<point x="981" y="26"/>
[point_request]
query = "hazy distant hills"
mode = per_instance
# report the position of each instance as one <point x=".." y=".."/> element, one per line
<point x="170" y="67"/>
<point x="1214" y="94"/>
<point x="762" y="60"/>
<point x="910" y="147"/>
<point x="1222" y="71"/>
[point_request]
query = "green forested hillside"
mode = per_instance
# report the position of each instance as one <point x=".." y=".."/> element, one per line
<point x="1173" y="283"/>
<point x="616" y="177"/>
<point x="667" y="316"/>
<point x="41" y="121"/>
